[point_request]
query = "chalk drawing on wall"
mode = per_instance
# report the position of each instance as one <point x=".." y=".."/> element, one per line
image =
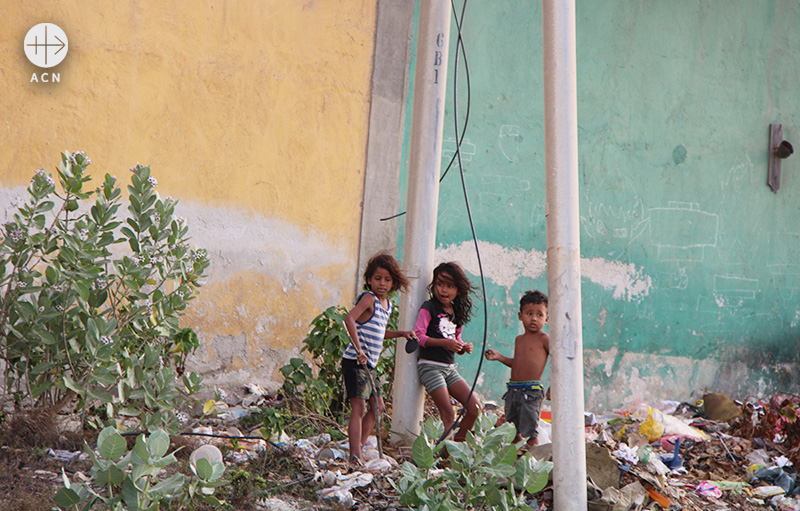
<point x="735" y="287"/>
<point x="733" y="291"/>
<point x="538" y="218"/>
<point x="614" y="221"/>
<point x="682" y="232"/>
<point x="679" y="279"/>
<point x="508" y="141"/>
<point x="612" y="229"/>
<point x="511" y="187"/>
<point x="504" y="266"/>
<point x="783" y="263"/>
<point x="783" y="247"/>
<point x="739" y="176"/>
<point x="796" y="319"/>
<point x="449" y="149"/>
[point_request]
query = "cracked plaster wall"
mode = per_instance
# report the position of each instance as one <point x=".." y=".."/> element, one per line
<point x="252" y="114"/>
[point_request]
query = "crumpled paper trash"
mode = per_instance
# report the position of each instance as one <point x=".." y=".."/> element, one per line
<point x="628" y="454"/>
<point x="380" y="464"/>
<point x="611" y="499"/>
<point x="708" y="489"/>
<point x="340" y="493"/>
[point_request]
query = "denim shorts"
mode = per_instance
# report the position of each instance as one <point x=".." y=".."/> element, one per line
<point x="434" y="377"/>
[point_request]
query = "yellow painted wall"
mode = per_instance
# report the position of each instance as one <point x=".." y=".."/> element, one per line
<point x="253" y="114"/>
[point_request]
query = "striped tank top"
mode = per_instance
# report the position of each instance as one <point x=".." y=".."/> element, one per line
<point x="371" y="332"/>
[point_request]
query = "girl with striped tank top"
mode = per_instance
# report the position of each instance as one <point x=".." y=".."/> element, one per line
<point x="366" y="327"/>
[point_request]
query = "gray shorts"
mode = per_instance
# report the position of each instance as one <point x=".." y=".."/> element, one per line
<point x="433" y="377"/>
<point x="523" y="406"/>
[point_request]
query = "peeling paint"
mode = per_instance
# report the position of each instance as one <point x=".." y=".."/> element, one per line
<point x="628" y="282"/>
<point x="504" y="266"/>
<point x="501" y="265"/>
<point x="645" y="378"/>
<point x="601" y="317"/>
<point x="240" y="241"/>
<point x="610" y="357"/>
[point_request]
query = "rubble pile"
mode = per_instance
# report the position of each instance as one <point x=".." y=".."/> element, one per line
<point x="713" y="454"/>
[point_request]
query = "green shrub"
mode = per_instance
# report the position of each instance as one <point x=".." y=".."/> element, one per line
<point x="484" y="471"/>
<point x="321" y="387"/>
<point x="81" y="315"/>
<point x="132" y="480"/>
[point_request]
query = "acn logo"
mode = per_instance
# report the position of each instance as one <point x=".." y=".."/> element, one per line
<point x="46" y="45"/>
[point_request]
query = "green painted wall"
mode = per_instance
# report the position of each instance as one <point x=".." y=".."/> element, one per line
<point x="689" y="261"/>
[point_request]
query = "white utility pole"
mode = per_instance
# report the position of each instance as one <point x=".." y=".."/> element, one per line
<point x="423" y="202"/>
<point x="564" y="254"/>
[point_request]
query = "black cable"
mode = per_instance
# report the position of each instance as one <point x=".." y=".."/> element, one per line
<point x="459" y="43"/>
<point x="213" y="435"/>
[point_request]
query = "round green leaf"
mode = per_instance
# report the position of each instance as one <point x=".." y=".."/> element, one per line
<point x="111" y="445"/>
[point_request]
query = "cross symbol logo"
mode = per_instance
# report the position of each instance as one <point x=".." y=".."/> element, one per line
<point x="46" y="45"/>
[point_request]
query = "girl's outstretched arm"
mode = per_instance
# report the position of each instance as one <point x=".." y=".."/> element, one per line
<point x="393" y="334"/>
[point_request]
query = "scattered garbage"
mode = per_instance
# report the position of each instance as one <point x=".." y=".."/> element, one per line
<point x="653" y="427"/>
<point x="719" y="407"/>
<point x="784" y="503"/>
<point x="627" y="454"/>
<point x="332" y="454"/>
<point x="340" y="494"/>
<point x="777" y="476"/>
<point x="709" y="489"/>
<point x="673" y="461"/>
<point x="65" y="456"/>
<point x="768" y="491"/>
<point x="209" y="452"/>
<point x="667" y="455"/>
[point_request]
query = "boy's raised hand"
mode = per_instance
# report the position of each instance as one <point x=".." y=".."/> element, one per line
<point x="491" y="354"/>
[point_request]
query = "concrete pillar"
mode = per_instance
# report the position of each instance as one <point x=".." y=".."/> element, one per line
<point x="563" y="254"/>
<point x="423" y="202"/>
<point x="390" y="67"/>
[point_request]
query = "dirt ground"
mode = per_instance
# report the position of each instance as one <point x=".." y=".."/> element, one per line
<point x="30" y="475"/>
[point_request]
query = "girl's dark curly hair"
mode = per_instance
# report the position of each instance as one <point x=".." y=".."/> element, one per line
<point x="390" y="264"/>
<point x="462" y="304"/>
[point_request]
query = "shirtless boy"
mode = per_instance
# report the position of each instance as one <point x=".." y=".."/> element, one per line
<point x="524" y="396"/>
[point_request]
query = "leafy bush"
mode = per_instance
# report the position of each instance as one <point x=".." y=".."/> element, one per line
<point x="326" y="343"/>
<point x="81" y="316"/>
<point x="130" y="480"/>
<point x="321" y="387"/>
<point x="480" y="470"/>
